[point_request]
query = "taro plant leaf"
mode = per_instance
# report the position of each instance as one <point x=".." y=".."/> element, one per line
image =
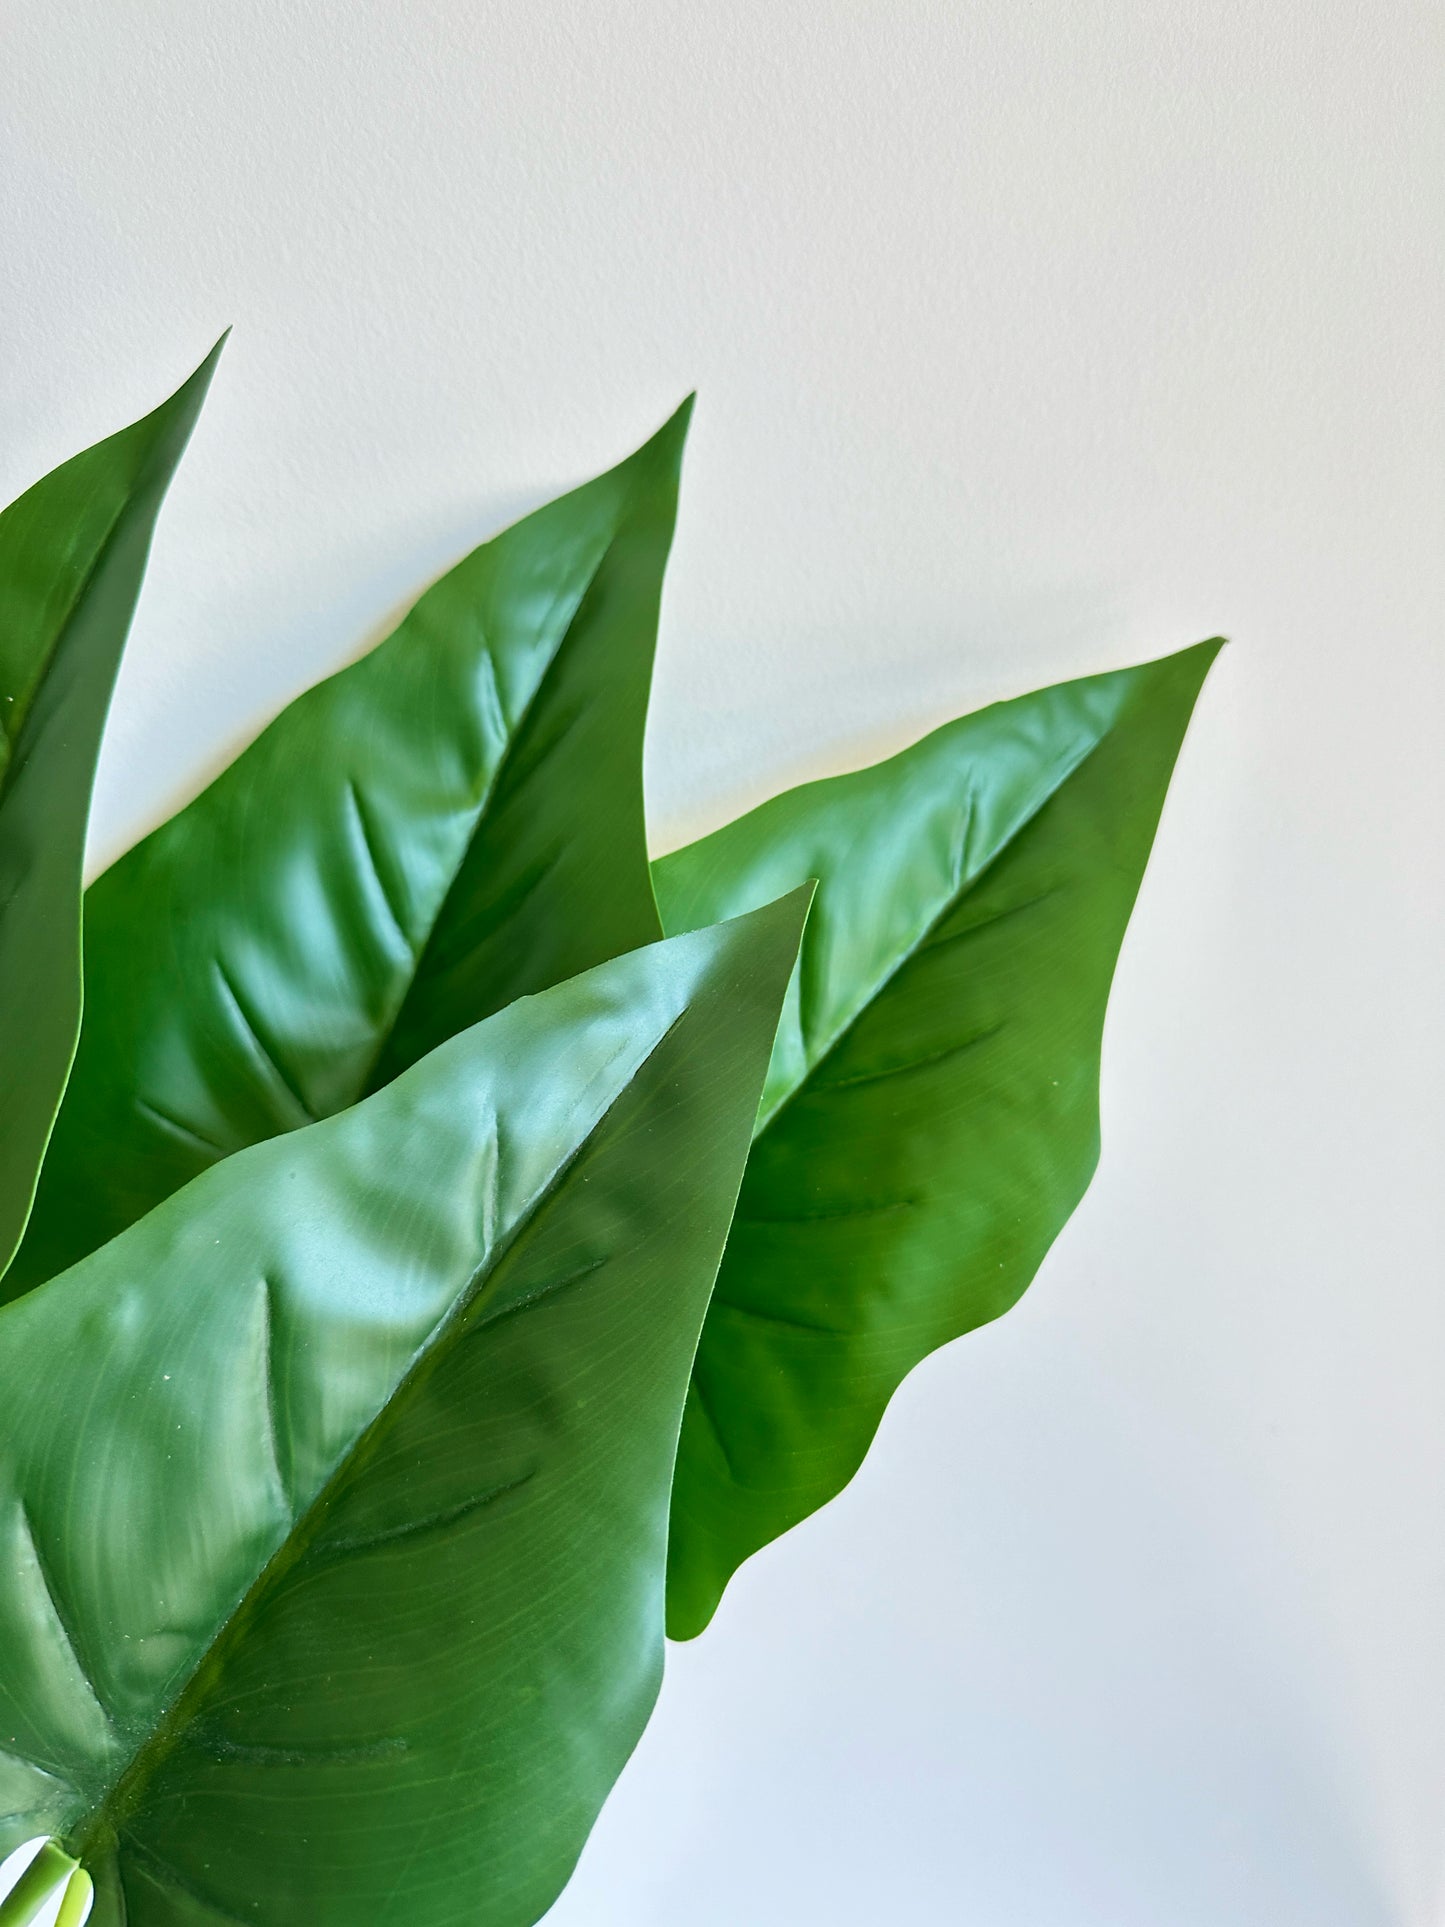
<point x="930" y="1117"/>
<point x="72" y="553"/>
<point x="334" y="1493"/>
<point x="451" y="822"/>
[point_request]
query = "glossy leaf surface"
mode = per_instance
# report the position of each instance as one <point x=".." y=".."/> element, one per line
<point x="930" y="1117"/>
<point x="334" y="1493"/>
<point x="452" y="822"/>
<point x="72" y="553"/>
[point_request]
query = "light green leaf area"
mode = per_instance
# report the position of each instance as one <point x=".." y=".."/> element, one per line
<point x="930" y="1117"/>
<point x="452" y="822"/>
<point x="334" y="1493"/>
<point x="72" y="553"/>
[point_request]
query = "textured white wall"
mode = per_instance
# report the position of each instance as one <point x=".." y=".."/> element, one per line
<point x="1033" y="337"/>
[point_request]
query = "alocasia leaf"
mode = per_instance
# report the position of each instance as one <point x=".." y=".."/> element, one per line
<point x="334" y="1493"/>
<point x="930" y="1117"/>
<point x="72" y="553"/>
<point x="450" y="823"/>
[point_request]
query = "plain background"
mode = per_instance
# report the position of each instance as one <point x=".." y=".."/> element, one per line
<point x="1033" y="337"/>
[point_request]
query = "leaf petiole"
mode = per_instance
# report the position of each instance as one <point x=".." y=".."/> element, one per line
<point x="76" y="1904"/>
<point x="50" y="1867"/>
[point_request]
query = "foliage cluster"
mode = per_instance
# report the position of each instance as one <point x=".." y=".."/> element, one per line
<point x="448" y="1245"/>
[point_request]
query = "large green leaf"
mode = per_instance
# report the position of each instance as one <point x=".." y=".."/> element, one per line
<point x="448" y="824"/>
<point x="72" y="553"/>
<point x="930" y="1117"/>
<point x="334" y="1493"/>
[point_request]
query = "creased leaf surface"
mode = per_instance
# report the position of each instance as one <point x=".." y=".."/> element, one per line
<point x="930" y="1117"/>
<point x="451" y="822"/>
<point x="334" y="1493"/>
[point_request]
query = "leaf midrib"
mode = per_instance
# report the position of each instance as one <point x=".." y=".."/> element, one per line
<point x="960" y="891"/>
<point x="11" y="733"/>
<point x="365" y="1081"/>
<point x="111" y="1810"/>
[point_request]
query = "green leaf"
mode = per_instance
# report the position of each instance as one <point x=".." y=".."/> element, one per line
<point x="72" y="553"/>
<point x="334" y="1495"/>
<point x="452" y="822"/>
<point x="930" y="1117"/>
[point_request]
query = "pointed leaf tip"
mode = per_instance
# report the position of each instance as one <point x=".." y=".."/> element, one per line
<point x="187" y="399"/>
<point x="73" y="551"/>
<point x="931" y="1114"/>
<point x="665" y="446"/>
<point x="509" y="873"/>
<point x="1199" y="654"/>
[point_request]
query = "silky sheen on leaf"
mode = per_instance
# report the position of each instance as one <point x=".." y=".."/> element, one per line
<point x="72" y="553"/>
<point x="930" y="1117"/>
<point x="335" y="1524"/>
<point x="452" y="822"/>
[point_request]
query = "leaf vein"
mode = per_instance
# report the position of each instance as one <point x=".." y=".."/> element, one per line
<point x="488" y="1319"/>
<point x="924" y="1063"/>
<point x="248" y="1753"/>
<point x="177" y="1129"/>
<point x="34" y="1766"/>
<point x="696" y="1392"/>
<point x="61" y="1617"/>
<point x="414" y="1528"/>
<point x="269" y="1418"/>
<point x="428" y="963"/>
<point x="779" y="1318"/>
<point x="986" y="923"/>
<point x="176" y="1717"/>
<point x="828" y="1217"/>
<point x="1070" y="766"/>
<point x="261" y="1056"/>
<point x="369" y="848"/>
<point x="162" y="1874"/>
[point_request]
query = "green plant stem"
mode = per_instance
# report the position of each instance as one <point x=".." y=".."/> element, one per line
<point x="77" y="1899"/>
<point x="47" y="1870"/>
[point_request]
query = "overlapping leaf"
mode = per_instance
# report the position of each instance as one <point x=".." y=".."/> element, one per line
<point x="72" y="552"/>
<point x="334" y="1493"/>
<point x="450" y="823"/>
<point x="930" y="1117"/>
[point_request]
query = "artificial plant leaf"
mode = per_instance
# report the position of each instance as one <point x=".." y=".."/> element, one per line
<point x="930" y="1117"/>
<point x="334" y="1493"/>
<point x="72" y="553"/>
<point x="451" y="822"/>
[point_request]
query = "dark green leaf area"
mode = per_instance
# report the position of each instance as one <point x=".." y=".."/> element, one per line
<point x="72" y="553"/>
<point x="336" y="1517"/>
<point x="452" y="822"/>
<point x="931" y="1115"/>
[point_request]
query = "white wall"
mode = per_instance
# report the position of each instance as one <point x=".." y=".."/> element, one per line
<point x="1033" y="337"/>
